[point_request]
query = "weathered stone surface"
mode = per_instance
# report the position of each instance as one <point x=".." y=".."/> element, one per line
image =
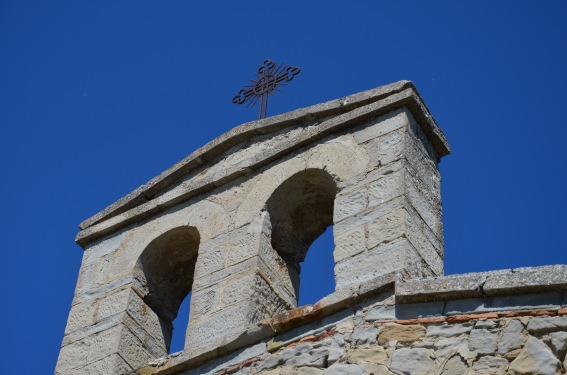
<point x="486" y="324"/>
<point x="559" y="342"/>
<point x="416" y="361"/>
<point x="336" y="349"/>
<point x="355" y="270"/>
<point x="512" y="337"/>
<point x="308" y="371"/>
<point x="482" y="341"/>
<point x="489" y="365"/>
<point x="364" y="336"/>
<point x="250" y="204"/>
<point x="344" y="369"/>
<point x="405" y="333"/>
<point x="314" y="357"/>
<point x="455" y="366"/>
<point x="532" y="280"/>
<point x="448" y="330"/>
<point x="376" y="355"/>
<point x="446" y="346"/>
<point x="535" y="358"/>
<point x="550" y="324"/>
<point x="419" y="310"/>
<point x="381" y="313"/>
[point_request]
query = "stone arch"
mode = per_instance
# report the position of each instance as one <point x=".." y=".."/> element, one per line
<point x="300" y="210"/>
<point x="166" y="269"/>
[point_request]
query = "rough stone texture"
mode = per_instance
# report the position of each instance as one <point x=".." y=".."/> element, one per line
<point x="489" y="366"/>
<point x="483" y="341"/>
<point x="232" y="223"/>
<point x="512" y="337"/>
<point x="399" y="333"/>
<point x="535" y="358"/>
<point x="417" y="361"/>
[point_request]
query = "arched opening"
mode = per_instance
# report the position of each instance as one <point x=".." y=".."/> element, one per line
<point x="300" y="209"/>
<point x="166" y="269"/>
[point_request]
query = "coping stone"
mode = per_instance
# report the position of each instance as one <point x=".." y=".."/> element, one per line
<point x="528" y="280"/>
<point x="334" y="116"/>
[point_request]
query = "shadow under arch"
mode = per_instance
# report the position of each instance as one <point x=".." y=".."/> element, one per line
<point x="300" y="210"/>
<point x="166" y="270"/>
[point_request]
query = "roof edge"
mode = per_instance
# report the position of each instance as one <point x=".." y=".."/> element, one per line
<point x="243" y="132"/>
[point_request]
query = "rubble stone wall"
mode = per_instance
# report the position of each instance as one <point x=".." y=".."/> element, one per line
<point x="514" y="327"/>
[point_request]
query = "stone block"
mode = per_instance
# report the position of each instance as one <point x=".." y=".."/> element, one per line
<point x="383" y="259"/>
<point x="559" y="342"/>
<point x="382" y="125"/>
<point x="548" y="324"/>
<point x="428" y="210"/>
<point x="113" y="364"/>
<point x="88" y="350"/>
<point x="336" y="349"/>
<point x="238" y="288"/>
<point x="448" y="345"/>
<point x="81" y="315"/>
<point x="205" y="301"/>
<point x="535" y="358"/>
<point x="242" y="248"/>
<point x="368" y="216"/>
<point x="511" y="337"/>
<point x="386" y="228"/>
<point x="132" y="349"/>
<point x="391" y="146"/>
<point x="523" y="302"/>
<point x="387" y="186"/>
<point x="482" y="341"/>
<point x="401" y="333"/>
<point x="344" y="369"/>
<point x="489" y="365"/>
<point x="103" y="247"/>
<point x="202" y="280"/>
<point x="210" y="262"/>
<point x="350" y="204"/>
<point x="349" y="244"/>
<point x="417" y="361"/>
<point x="440" y="288"/>
<point x="527" y="280"/>
<point x="112" y="304"/>
<point x="381" y="313"/>
<point x="209" y="331"/>
<point x="419" y="310"/>
<point x="415" y="229"/>
<point x="464" y="306"/>
<point x="361" y="356"/>
<point x="449" y="330"/>
<point x="364" y="336"/>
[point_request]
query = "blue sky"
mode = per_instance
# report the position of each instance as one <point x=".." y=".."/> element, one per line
<point x="96" y="98"/>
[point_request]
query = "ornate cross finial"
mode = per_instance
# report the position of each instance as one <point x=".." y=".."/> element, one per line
<point x="268" y="79"/>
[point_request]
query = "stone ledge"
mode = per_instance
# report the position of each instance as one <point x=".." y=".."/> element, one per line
<point x="482" y="284"/>
<point x="347" y="112"/>
<point x="268" y="328"/>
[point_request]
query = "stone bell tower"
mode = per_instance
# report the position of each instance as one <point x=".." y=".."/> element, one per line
<point x="232" y="222"/>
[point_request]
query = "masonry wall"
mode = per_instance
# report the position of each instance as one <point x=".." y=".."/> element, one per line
<point x="233" y="221"/>
<point x="522" y="330"/>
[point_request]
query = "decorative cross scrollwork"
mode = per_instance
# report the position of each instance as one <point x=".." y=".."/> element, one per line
<point x="269" y="77"/>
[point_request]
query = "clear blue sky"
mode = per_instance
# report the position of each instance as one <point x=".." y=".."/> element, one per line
<point x="97" y="97"/>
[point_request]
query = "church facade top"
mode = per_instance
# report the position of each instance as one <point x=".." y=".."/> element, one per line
<point x="354" y="108"/>
<point x="232" y="222"/>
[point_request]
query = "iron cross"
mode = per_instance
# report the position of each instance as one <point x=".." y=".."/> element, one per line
<point x="268" y="78"/>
